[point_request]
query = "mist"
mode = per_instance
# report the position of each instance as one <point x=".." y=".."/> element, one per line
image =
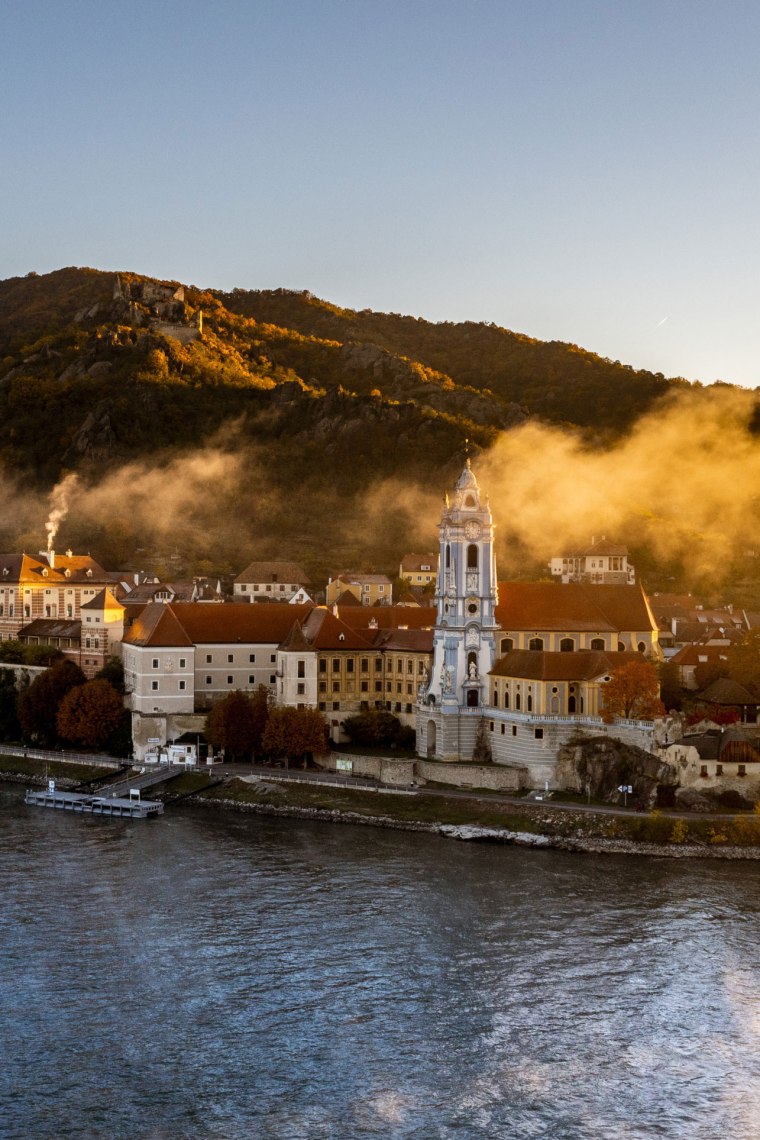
<point x="685" y="482"/>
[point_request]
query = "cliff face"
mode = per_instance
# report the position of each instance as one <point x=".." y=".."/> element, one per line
<point x="600" y="766"/>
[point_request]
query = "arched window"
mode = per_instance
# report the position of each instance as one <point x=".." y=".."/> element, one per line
<point x="642" y="647"/>
<point x="530" y="702"/>
<point x="469" y="501"/>
<point x="571" y="702"/>
<point x="566" y="645"/>
<point x="517" y="702"/>
<point x="536" y="643"/>
<point x="597" y="643"/>
<point x="495" y="701"/>
<point x="507" y="644"/>
<point x="448" y="556"/>
<point x="506" y="698"/>
<point x="472" y="557"/>
<point x="621" y="647"/>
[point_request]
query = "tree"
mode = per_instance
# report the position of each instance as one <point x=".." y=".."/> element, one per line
<point x="9" y="726"/>
<point x="633" y="692"/>
<point x="38" y="706"/>
<point x="237" y="722"/>
<point x="113" y="672"/>
<point x="671" y="689"/>
<point x="295" y="733"/>
<point x="373" y="727"/>
<point x="90" y="714"/>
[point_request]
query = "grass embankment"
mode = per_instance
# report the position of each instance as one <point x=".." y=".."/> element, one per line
<point x="542" y="819"/>
<point x="36" y="771"/>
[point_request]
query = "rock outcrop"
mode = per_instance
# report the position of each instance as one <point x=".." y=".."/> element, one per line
<point x="599" y="766"/>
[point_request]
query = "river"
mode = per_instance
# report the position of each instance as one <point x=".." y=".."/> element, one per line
<point x="210" y="975"/>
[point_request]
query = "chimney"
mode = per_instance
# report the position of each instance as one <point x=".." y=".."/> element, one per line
<point x="49" y="557"/>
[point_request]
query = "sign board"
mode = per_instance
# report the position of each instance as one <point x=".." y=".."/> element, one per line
<point x="134" y="793"/>
<point x="626" y="788"/>
<point x="344" y="765"/>
<point x="154" y="740"/>
<point x="51" y="787"/>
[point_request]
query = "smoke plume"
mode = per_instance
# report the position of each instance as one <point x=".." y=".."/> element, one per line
<point x="59" y="506"/>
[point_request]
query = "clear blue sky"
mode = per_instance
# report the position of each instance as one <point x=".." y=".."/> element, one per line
<point x="574" y="170"/>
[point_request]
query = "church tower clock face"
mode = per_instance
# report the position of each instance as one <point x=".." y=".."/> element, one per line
<point x="472" y="529"/>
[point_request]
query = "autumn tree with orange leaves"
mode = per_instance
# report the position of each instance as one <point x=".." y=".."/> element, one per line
<point x="632" y="692"/>
<point x="89" y="714"/>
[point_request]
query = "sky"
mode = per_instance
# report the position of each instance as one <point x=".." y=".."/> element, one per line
<point x="576" y="170"/>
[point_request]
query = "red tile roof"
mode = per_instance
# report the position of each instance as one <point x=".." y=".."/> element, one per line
<point x="583" y="665"/>
<point x="287" y="573"/>
<point x="388" y="617"/>
<point x="405" y="640"/>
<point x="326" y="631"/>
<point x="536" y="606"/>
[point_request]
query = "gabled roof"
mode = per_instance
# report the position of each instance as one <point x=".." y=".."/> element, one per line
<point x="205" y="624"/>
<point x="103" y="601"/>
<point x="724" y="691"/>
<point x="707" y="744"/>
<point x="326" y="631"/>
<point x="413" y="563"/>
<point x="147" y="591"/>
<point x="387" y="617"/>
<point x="405" y="640"/>
<point x="700" y="654"/>
<point x="66" y="569"/>
<point x="583" y="665"/>
<point x="295" y="640"/>
<point x="536" y="606"/>
<point x="349" y="599"/>
<point x="280" y="572"/>
<point x="360" y="579"/>
<point x="605" y="548"/>
<point x="157" y="626"/>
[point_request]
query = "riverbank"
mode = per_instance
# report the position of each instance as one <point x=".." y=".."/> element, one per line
<point x="487" y="819"/>
<point x="473" y="832"/>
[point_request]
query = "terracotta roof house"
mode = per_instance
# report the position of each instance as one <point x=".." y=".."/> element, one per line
<point x="50" y="586"/>
<point x="603" y="562"/>
<point x="269" y="581"/>
<point x="368" y="588"/>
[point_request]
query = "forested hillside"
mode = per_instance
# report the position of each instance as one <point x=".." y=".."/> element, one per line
<point x="209" y="428"/>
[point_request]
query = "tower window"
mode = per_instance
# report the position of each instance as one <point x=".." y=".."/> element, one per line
<point x="472" y="557"/>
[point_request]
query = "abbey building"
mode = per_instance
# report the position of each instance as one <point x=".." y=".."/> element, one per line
<point x="520" y="667"/>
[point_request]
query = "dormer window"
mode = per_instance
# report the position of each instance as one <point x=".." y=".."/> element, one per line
<point x="67" y="573"/>
<point x="45" y="573"/>
<point x="89" y="572"/>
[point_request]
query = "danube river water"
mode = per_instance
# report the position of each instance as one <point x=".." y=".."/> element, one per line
<point x="227" y="976"/>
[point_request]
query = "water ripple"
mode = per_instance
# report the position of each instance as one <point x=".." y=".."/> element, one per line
<point x="221" y="978"/>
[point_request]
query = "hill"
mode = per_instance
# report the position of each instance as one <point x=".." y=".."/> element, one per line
<point x="208" y="428"/>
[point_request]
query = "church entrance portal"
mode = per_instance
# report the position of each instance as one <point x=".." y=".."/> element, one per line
<point x="472" y="698"/>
